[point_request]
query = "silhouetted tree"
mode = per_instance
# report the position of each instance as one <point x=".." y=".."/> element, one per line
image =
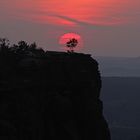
<point x="33" y="46"/>
<point x="21" y="49"/>
<point x="4" y="45"/>
<point x="72" y="43"/>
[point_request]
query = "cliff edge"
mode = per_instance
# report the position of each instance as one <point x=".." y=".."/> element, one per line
<point x="56" y="96"/>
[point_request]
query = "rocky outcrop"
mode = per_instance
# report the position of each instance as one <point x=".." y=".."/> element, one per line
<point x="51" y="97"/>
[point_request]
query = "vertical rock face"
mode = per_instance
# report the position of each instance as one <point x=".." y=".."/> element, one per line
<point x="51" y="97"/>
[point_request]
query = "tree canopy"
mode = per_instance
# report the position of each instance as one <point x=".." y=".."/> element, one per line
<point x="21" y="48"/>
<point x="71" y="44"/>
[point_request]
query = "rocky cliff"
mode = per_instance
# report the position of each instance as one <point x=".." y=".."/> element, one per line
<point x="52" y="97"/>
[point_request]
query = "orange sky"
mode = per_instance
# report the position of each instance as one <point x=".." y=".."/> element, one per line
<point x="108" y="27"/>
<point x="65" y="12"/>
<point x="72" y="12"/>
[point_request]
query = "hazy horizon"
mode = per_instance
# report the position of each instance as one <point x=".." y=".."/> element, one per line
<point x="107" y="27"/>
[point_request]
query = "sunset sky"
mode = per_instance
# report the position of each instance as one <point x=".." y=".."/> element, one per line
<point x="107" y="27"/>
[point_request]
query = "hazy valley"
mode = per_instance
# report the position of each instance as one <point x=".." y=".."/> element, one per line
<point x="121" y="98"/>
<point x="119" y="66"/>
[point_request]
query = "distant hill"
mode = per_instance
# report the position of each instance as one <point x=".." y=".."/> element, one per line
<point x="119" y="66"/>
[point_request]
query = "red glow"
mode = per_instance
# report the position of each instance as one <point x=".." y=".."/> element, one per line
<point x="72" y="12"/>
<point x="66" y="37"/>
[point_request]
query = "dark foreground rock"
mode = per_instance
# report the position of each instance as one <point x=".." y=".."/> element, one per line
<point x="51" y="97"/>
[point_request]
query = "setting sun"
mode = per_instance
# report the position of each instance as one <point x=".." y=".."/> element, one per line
<point x="67" y="37"/>
<point x="107" y="26"/>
